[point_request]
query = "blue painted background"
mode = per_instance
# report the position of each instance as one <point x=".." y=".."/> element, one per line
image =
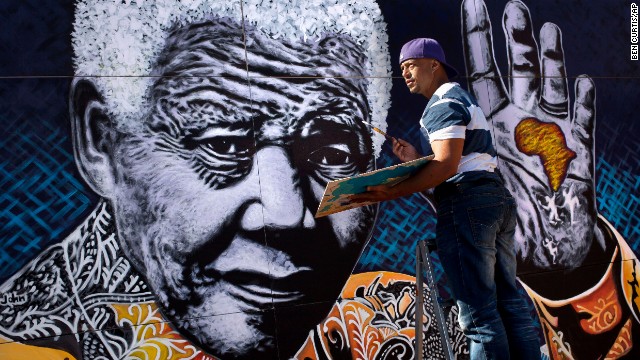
<point x="42" y="198"/>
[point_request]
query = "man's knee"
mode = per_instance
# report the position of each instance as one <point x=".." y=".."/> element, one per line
<point x="484" y="320"/>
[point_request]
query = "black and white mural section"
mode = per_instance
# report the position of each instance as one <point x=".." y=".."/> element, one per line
<point x="162" y="162"/>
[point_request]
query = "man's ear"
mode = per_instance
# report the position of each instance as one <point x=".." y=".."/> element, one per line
<point x="94" y="135"/>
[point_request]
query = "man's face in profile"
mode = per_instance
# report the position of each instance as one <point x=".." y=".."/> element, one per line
<point x="224" y="163"/>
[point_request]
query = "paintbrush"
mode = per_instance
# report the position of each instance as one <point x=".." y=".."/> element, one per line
<point x="378" y="131"/>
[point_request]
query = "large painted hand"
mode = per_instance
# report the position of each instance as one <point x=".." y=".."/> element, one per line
<point x="545" y="151"/>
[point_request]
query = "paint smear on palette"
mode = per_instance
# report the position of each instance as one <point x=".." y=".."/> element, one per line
<point x="335" y="197"/>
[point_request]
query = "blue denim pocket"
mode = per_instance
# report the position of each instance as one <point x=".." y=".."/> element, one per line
<point x="485" y="222"/>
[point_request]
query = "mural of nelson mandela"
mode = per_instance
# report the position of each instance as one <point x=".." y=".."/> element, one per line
<point x="210" y="136"/>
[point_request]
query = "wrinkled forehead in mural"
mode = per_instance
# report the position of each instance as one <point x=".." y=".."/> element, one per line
<point x="214" y="164"/>
<point x="132" y="37"/>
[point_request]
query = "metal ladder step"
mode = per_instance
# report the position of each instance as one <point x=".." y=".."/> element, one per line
<point x="423" y="264"/>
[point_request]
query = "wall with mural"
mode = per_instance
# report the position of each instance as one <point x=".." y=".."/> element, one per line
<point x="161" y="162"/>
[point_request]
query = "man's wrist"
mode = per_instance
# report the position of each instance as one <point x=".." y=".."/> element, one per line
<point x="401" y="189"/>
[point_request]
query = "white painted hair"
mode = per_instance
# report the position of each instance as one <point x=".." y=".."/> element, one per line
<point x="118" y="41"/>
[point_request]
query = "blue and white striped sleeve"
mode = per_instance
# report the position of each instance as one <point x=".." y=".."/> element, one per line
<point x="446" y="119"/>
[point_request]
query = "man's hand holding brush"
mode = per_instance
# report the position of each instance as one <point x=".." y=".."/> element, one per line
<point x="402" y="149"/>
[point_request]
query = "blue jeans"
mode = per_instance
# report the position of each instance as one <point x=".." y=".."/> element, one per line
<point x="475" y="239"/>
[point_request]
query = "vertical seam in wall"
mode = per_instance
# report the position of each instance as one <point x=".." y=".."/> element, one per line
<point x="253" y="125"/>
<point x="81" y="306"/>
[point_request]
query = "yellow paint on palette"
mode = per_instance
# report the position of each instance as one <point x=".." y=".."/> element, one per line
<point x="19" y="351"/>
<point x="547" y="141"/>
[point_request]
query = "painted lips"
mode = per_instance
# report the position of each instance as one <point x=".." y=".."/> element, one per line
<point x="259" y="288"/>
<point x="264" y="289"/>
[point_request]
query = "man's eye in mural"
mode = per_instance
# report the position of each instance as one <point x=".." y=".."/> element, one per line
<point x="221" y="160"/>
<point x="333" y="155"/>
<point x="331" y="162"/>
<point x="229" y="148"/>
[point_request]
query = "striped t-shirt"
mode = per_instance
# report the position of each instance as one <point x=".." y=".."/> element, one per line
<point x="452" y="113"/>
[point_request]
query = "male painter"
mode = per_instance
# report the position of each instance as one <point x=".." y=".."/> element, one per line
<point x="476" y="213"/>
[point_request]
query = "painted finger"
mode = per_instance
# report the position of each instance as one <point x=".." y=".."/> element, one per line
<point x="522" y="52"/>
<point x="583" y="124"/>
<point x="484" y="76"/>
<point x="554" y="99"/>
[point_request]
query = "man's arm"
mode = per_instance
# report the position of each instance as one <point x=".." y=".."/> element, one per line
<point x="447" y="155"/>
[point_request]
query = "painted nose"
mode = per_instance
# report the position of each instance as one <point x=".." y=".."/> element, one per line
<point x="281" y="203"/>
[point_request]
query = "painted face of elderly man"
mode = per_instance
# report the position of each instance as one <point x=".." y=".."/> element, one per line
<point x="213" y="156"/>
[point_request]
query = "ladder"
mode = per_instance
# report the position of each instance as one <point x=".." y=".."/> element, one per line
<point x="423" y="264"/>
